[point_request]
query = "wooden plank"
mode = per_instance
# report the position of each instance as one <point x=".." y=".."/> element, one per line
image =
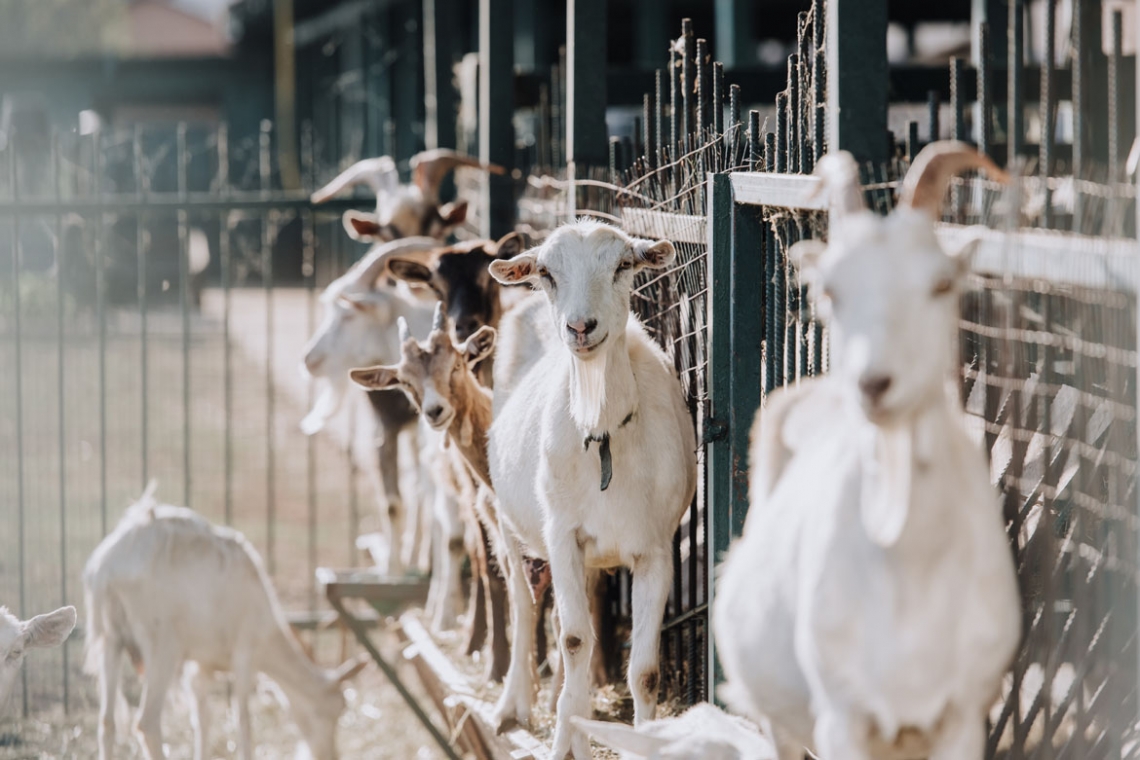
<point x="792" y="191"/>
<point x="460" y="701"/>
<point x="678" y="228"/>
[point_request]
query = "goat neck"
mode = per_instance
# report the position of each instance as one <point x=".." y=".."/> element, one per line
<point x="280" y="657"/>
<point x="472" y="420"/>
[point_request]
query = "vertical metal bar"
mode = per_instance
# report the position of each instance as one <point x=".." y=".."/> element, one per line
<point x="268" y="226"/>
<point x="1115" y="62"/>
<point x="227" y="360"/>
<point x="734" y="44"/>
<point x="782" y="132"/>
<point x="1048" y="106"/>
<point x="184" y="306"/>
<point x="496" y="106"/>
<point x="734" y="108"/>
<point x="101" y="314"/>
<point x="791" y="119"/>
<point x="659" y="99"/>
<point x="957" y="99"/>
<point x="747" y="324"/>
<point x="688" y="77"/>
<point x="718" y="97"/>
<point x="818" y="80"/>
<point x="857" y="77"/>
<point x="985" y="93"/>
<point x="1015" y="104"/>
<point x="586" y="97"/>
<point x="676" y="98"/>
<point x="647" y="129"/>
<point x="141" y="191"/>
<point x="769" y="285"/>
<point x="705" y="94"/>
<point x="912" y="143"/>
<point x="804" y="92"/>
<point x="933" y="120"/>
<point x="720" y="480"/>
<point x="755" y="157"/>
<point x="61" y="401"/>
<point x="18" y="355"/>
<point x="309" y="273"/>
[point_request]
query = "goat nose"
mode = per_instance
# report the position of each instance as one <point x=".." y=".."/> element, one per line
<point x="582" y="326"/>
<point x="874" y="386"/>
<point x="434" y="412"/>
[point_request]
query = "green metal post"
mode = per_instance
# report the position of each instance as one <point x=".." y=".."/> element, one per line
<point x="496" y="109"/>
<point x="439" y="91"/>
<point x="734" y="33"/>
<point x="586" y="140"/>
<point x="716" y="434"/>
<point x="857" y="78"/>
<point x="747" y="332"/>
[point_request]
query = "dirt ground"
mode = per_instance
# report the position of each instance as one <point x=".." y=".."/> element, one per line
<point x="377" y="724"/>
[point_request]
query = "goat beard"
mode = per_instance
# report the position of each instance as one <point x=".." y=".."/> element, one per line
<point x="588" y="391"/>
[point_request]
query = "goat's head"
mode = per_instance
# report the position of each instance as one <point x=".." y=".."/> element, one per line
<point x="586" y="270"/>
<point x="403" y="210"/>
<point x="17" y="637"/>
<point x="885" y="286"/>
<point x="430" y="373"/>
<point x="356" y="328"/>
<point x="458" y="276"/>
<point x="317" y="713"/>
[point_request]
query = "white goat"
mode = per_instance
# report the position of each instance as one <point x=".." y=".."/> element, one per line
<point x="359" y="328"/>
<point x="872" y="603"/>
<point x="18" y="636"/>
<point x="403" y="210"/>
<point x="700" y="733"/>
<point x="592" y="454"/>
<point x="166" y="588"/>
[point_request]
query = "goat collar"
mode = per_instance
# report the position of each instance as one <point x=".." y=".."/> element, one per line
<point x="603" y="442"/>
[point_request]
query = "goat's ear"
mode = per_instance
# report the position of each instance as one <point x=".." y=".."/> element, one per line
<point x="375" y="378"/>
<point x="362" y="226"/>
<point x="654" y="254"/>
<point x="410" y="271"/>
<point x="454" y="213"/>
<point x="480" y="345"/>
<point x="51" y="629"/>
<point x="522" y="268"/>
<point x="350" y="668"/>
<point x="509" y="246"/>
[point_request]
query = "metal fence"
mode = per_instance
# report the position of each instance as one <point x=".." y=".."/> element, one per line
<point x="157" y="289"/>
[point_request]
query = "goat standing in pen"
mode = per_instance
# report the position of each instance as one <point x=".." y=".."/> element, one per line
<point x="18" y="636"/>
<point x="403" y="210"/>
<point x="592" y="453"/>
<point x="871" y="607"/>
<point x="166" y="588"/>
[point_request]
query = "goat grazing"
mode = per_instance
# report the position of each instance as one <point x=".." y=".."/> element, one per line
<point x="871" y="606"/>
<point x="592" y="453"/>
<point x="438" y="377"/>
<point x="359" y="329"/>
<point x="18" y="636"/>
<point x="700" y="733"/>
<point x="403" y="210"/>
<point x="166" y="588"/>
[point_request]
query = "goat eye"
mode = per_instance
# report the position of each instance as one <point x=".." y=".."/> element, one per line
<point x="942" y="287"/>
<point x="544" y="273"/>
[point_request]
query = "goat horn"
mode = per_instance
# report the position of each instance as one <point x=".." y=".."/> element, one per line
<point x="839" y="179"/>
<point x="380" y="174"/>
<point x="929" y="176"/>
<point x="405" y="333"/>
<point x="431" y="166"/>
<point x="439" y="321"/>
<point x="368" y="269"/>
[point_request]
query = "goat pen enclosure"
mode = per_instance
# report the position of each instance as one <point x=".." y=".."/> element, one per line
<point x="157" y="289"/>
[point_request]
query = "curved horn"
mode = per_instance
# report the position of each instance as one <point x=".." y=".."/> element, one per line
<point x="366" y="271"/>
<point x="378" y="173"/>
<point x="925" y="183"/>
<point x="839" y="179"/>
<point x="439" y="321"/>
<point x="405" y="333"/>
<point x="431" y="166"/>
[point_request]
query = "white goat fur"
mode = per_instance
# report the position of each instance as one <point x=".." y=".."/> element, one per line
<point x="359" y="328"/>
<point x="18" y="636"/>
<point x="700" y="733"/>
<point x="166" y="588"/>
<point x="548" y="482"/>
<point x="871" y="606"/>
